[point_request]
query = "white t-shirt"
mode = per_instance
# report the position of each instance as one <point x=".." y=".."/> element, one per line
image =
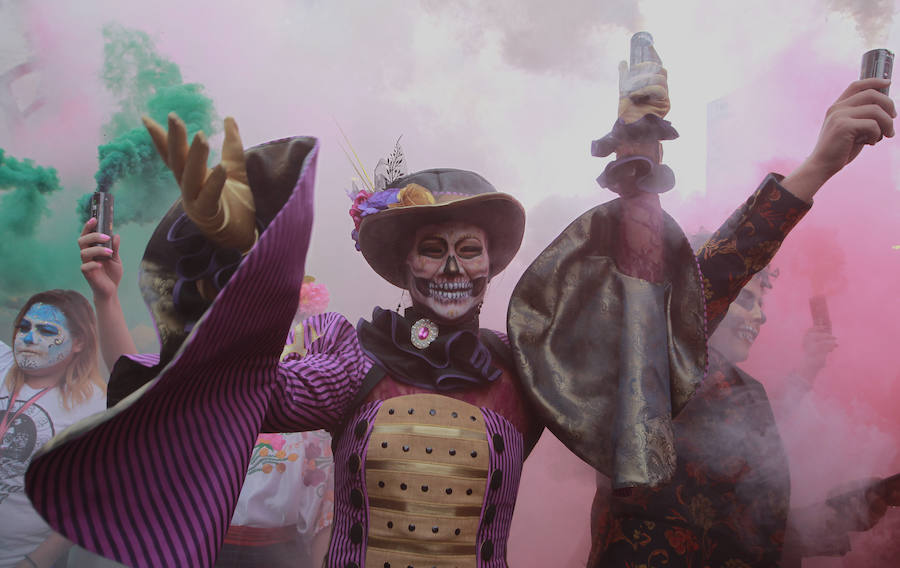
<point x="6" y="359"/>
<point x="21" y="528"/>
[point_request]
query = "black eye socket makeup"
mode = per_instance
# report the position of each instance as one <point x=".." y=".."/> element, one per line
<point x="24" y="326"/>
<point x="433" y="248"/>
<point x="469" y="248"/>
<point x="745" y="300"/>
<point x="48" y="330"/>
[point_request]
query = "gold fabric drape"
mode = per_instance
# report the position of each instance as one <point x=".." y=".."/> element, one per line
<point x="607" y="359"/>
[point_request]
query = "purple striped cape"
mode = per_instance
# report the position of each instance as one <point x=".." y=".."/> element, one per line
<point x="154" y="480"/>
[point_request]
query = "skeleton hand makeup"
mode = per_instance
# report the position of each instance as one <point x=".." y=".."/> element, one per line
<point x="42" y="339"/>
<point x="448" y="268"/>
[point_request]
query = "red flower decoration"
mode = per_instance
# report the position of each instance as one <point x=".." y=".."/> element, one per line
<point x="682" y="540"/>
<point x="355" y="211"/>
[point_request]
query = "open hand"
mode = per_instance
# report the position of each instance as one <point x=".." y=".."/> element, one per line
<point x="861" y="116"/>
<point x="217" y="200"/>
<point x="818" y="342"/>
<point x="100" y="265"/>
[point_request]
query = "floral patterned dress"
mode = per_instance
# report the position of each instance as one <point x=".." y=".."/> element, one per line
<point x="728" y="502"/>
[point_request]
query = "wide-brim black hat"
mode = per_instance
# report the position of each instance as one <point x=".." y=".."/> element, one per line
<point x="385" y="238"/>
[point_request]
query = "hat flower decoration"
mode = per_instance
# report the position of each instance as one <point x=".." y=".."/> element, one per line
<point x="377" y="196"/>
<point x="388" y="211"/>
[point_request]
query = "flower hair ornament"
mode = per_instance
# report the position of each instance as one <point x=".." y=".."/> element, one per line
<point x="377" y="196"/>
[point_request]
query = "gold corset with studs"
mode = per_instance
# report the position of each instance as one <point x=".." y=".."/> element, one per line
<point x="426" y="470"/>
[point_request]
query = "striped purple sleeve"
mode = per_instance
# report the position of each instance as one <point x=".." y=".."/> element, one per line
<point x="502" y="488"/>
<point x="145" y="359"/>
<point x="313" y="392"/>
<point x="154" y="480"/>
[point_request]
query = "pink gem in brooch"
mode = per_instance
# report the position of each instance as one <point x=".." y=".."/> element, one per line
<point x="423" y="333"/>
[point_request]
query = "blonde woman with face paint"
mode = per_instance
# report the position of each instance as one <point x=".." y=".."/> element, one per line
<point x="52" y="382"/>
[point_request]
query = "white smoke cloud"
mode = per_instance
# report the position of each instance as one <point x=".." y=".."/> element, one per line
<point x="541" y="36"/>
<point x="873" y="17"/>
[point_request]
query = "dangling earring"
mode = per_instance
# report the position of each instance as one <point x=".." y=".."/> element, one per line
<point x="481" y="303"/>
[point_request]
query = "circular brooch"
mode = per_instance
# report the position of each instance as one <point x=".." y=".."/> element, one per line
<point x="423" y="333"/>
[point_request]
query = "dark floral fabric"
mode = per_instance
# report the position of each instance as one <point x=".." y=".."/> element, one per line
<point x="746" y="243"/>
<point x="728" y="502"/>
<point x="727" y="505"/>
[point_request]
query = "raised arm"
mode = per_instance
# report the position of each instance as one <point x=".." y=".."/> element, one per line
<point x="745" y="244"/>
<point x="218" y="200"/>
<point x="818" y="342"/>
<point x="861" y="116"/>
<point x="643" y="100"/>
<point x="222" y="370"/>
<point x="102" y="268"/>
<point x="753" y="234"/>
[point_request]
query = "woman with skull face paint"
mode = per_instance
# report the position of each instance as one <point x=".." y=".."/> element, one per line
<point x="53" y="382"/>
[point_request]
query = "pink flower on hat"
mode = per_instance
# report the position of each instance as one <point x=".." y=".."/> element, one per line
<point x="368" y="203"/>
<point x="355" y="209"/>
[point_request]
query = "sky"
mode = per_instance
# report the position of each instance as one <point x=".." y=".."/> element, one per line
<point x="516" y="90"/>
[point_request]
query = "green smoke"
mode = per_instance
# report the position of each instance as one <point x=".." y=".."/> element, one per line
<point x="22" y="208"/>
<point x="23" y="205"/>
<point x="38" y="233"/>
<point x="146" y="83"/>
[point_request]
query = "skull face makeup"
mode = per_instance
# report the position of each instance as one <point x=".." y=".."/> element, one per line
<point x="42" y="339"/>
<point x="448" y="268"/>
<point x="735" y="335"/>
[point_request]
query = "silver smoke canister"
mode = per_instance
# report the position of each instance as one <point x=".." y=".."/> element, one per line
<point x="877" y="63"/>
<point x="102" y="210"/>
<point x="642" y="49"/>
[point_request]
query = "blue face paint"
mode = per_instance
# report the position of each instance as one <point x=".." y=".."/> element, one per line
<point x="42" y="339"/>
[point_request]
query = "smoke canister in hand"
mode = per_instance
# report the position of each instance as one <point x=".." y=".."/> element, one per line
<point x="877" y="63"/>
<point x="102" y="210"/>
<point x="642" y="49"/>
<point x="818" y="307"/>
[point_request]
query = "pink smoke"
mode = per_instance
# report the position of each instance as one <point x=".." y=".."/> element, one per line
<point x="306" y="63"/>
<point x="847" y="428"/>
